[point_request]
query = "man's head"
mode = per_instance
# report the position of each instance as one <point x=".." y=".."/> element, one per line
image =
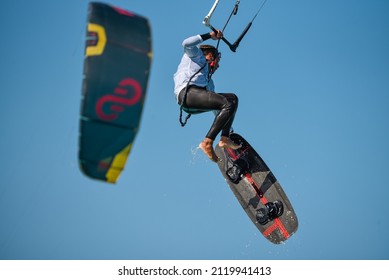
<point x="211" y="55"/>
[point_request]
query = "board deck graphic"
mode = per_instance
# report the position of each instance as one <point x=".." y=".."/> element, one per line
<point x="257" y="190"/>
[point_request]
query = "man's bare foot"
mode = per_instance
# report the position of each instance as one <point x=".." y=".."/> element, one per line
<point x="226" y="142"/>
<point x="207" y="147"/>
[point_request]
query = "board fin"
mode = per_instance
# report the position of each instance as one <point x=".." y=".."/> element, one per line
<point x="238" y="169"/>
<point x="271" y="211"/>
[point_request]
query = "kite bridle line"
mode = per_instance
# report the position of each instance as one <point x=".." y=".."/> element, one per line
<point x="207" y="22"/>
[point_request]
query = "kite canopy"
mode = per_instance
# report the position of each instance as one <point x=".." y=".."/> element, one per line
<point x="116" y="70"/>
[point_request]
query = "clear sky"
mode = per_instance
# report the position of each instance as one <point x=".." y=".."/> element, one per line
<point x="312" y="78"/>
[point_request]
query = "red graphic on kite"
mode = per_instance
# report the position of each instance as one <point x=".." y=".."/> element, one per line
<point x="127" y="93"/>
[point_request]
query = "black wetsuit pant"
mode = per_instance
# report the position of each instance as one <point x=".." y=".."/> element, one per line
<point x="200" y="100"/>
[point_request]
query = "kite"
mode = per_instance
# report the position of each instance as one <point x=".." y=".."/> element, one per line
<point x="117" y="65"/>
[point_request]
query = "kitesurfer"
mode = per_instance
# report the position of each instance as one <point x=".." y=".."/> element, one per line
<point x="194" y="90"/>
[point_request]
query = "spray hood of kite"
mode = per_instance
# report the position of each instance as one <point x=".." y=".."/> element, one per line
<point x="116" y="70"/>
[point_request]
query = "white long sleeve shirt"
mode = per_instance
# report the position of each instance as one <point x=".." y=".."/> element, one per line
<point x="191" y="62"/>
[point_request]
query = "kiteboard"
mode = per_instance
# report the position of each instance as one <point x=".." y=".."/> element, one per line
<point x="257" y="190"/>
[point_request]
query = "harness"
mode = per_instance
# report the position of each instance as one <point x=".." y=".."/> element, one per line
<point x="188" y="110"/>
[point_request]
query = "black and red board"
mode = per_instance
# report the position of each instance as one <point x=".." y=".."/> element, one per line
<point x="258" y="191"/>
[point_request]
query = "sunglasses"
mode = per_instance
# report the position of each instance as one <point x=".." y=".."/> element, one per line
<point x="216" y="55"/>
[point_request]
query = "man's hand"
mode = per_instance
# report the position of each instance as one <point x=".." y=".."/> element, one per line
<point x="216" y="35"/>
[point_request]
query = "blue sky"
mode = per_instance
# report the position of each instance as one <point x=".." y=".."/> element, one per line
<point x="313" y="81"/>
